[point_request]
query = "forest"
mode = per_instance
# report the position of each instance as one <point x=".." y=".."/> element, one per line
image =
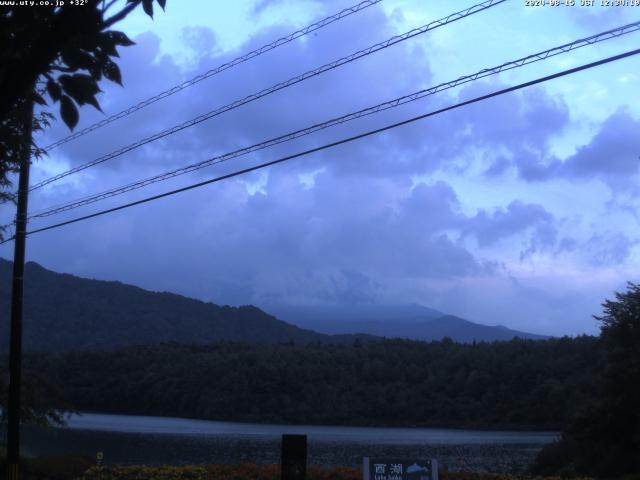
<point x="520" y="384"/>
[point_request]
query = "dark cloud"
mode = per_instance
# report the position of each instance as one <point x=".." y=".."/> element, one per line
<point x="518" y="217"/>
<point x="515" y="129"/>
<point x="612" y="155"/>
<point x="339" y="241"/>
<point x="609" y="249"/>
<point x="603" y="249"/>
<point x="529" y="117"/>
<point x="520" y="132"/>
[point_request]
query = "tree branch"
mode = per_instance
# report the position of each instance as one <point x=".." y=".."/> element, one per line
<point x="121" y="14"/>
<point x="62" y="69"/>
<point x="108" y="6"/>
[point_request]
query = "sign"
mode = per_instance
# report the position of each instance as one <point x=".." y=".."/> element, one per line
<point x="294" y="457"/>
<point x="397" y="469"/>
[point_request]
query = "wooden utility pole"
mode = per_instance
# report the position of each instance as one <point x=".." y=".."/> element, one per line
<point x="15" y="346"/>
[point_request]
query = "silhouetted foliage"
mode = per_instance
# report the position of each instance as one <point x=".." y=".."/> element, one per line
<point x="42" y="400"/>
<point x="605" y="440"/>
<point x="69" y="49"/>
<point x="57" y="51"/>
<point x="521" y="383"/>
<point x="12" y="143"/>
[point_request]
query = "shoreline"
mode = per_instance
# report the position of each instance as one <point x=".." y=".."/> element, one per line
<point x="497" y="429"/>
<point x="147" y="449"/>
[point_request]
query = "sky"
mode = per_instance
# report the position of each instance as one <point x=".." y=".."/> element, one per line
<point x="521" y="210"/>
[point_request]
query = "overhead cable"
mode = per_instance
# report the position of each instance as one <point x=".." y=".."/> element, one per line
<point x="536" y="57"/>
<point x="340" y="142"/>
<point x="214" y="71"/>
<point x="279" y="86"/>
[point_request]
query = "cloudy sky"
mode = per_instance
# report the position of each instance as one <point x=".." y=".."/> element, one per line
<point x="521" y="210"/>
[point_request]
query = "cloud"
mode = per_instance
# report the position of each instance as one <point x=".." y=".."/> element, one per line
<point x="516" y="218"/>
<point x="610" y="249"/>
<point x="270" y="116"/>
<point x="602" y="249"/>
<point x="514" y="129"/>
<point x="612" y="155"/>
<point x="599" y="18"/>
<point x="520" y="136"/>
<point x="379" y="220"/>
<point x="335" y="241"/>
<point x="530" y="117"/>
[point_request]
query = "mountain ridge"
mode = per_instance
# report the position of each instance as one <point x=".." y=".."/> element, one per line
<point x="431" y="325"/>
<point x="67" y="312"/>
<point x="64" y="312"/>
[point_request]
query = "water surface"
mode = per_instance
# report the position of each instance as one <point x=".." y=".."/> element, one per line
<point x="128" y="439"/>
<point x="189" y="427"/>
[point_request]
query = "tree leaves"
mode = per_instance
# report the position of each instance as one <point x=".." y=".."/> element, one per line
<point x="77" y="59"/>
<point x="119" y="38"/>
<point x="108" y="44"/>
<point x="68" y="112"/>
<point x="80" y="51"/>
<point x="112" y="71"/>
<point x="611" y="424"/>
<point x="53" y="89"/>
<point x="82" y="88"/>
<point x="38" y="99"/>
<point x="91" y="54"/>
<point x="147" y="5"/>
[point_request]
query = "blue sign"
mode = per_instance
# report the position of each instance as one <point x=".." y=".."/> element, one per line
<point x="396" y="469"/>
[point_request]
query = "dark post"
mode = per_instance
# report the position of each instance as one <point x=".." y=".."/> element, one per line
<point x="294" y="457"/>
<point x="15" y="347"/>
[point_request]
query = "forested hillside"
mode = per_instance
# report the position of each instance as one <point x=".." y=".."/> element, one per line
<point x="65" y="312"/>
<point x="516" y="384"/>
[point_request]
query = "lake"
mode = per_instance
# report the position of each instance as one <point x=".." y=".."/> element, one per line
<point x="162" y="440"/>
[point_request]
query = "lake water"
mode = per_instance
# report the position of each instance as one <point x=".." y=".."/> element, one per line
<point x="162" y="440"/>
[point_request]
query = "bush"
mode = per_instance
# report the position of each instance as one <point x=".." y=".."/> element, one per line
<point x="61" y="467"/>
<point x="260" y="472"/>
<point x="214" y="472"/>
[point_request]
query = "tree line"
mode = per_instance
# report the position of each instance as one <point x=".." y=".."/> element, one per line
<point x="524" y="384"/>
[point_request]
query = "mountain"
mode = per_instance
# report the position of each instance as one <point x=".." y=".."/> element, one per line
<point x="413" y="322"/>
<point x="65" y="312"/>
<point x="353" y="313"/>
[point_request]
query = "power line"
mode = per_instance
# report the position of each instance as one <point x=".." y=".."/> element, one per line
<point x="221" y="68"/>
<point x="279" y="86"/>
<point x="536" y="57"/>
<point x="343" y="141"/>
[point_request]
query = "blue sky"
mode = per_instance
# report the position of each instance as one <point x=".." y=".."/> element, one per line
<point x="521" y="210"/>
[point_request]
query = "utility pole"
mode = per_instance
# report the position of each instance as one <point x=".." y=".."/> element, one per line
<point x="25" y="111"/>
